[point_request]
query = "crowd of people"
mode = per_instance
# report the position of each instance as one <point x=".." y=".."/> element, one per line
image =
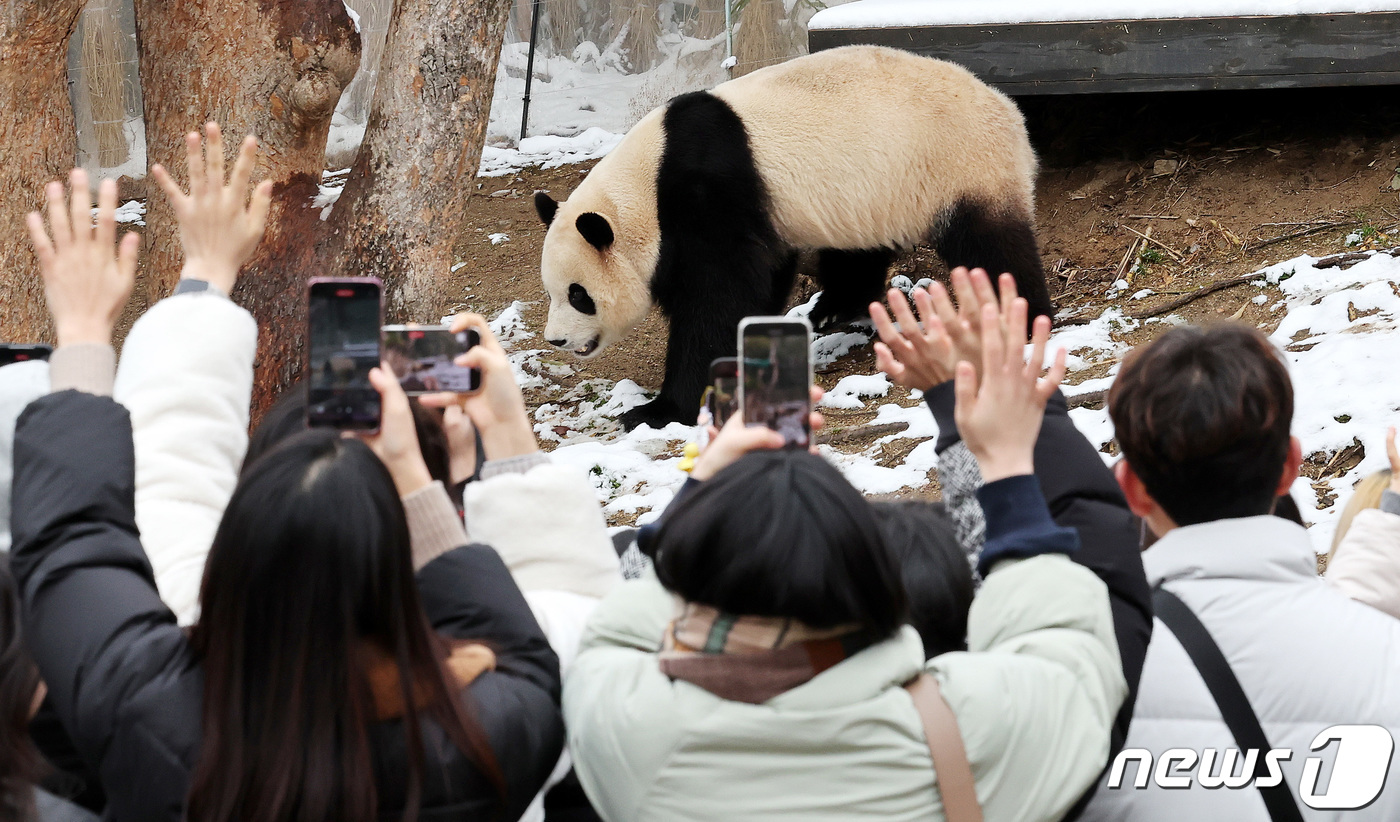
<point x="433" y="621"/>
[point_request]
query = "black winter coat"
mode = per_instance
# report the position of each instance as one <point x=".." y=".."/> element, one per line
<point x="128" y="687"/>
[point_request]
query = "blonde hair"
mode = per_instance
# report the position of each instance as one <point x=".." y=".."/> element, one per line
<point x="1366" y="495"/>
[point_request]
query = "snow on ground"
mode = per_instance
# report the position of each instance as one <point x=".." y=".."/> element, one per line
<point x="870" y="14"/>
<point x="1341" y="332"/>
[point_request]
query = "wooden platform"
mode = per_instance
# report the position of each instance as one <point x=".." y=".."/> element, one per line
<point x="1189" y="54"/>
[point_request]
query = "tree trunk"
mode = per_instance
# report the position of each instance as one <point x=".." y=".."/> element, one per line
<point x="274" y="68"/>
<point x="406" y="198"/>
<point x="37" y="143"/>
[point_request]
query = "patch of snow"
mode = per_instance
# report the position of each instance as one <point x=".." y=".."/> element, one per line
<point x="1260" y="299"/>
<point x="130" y="211"/>
<point x="457" y="267"/>
<point x="805" y="309"/>
<point x="849" y="392"/>
<point x="832" y="347"/>
<point x="509" y="325"/>
<point x="869" y="14"/>
<point x="1146" y="292"/>
<point x="329" y="190"/>
<point x="497" y="239"/>
<point x="547" y="152"/>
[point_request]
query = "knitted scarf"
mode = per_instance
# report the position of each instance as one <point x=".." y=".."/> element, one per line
<point x="749" y="658"/>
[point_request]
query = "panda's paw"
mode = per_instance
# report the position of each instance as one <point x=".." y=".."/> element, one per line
<point x="658" y="414"/>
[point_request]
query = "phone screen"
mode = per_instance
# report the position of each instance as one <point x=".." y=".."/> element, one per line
<point x="11" y="353"/>
<point x="774" y="358"/>
<point x="422" y="358"/>
<point x="724" y="399"/>
<point x="343" y="317"/>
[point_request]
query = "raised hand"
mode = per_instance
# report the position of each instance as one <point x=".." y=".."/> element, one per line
<point x="220" y="227"/>
<point x="396" y="442"/>
<point x="498" y="410"/>
<point x="999" y="411"/>
<point x="86" y="280"/>
<point x="912" y="356"/>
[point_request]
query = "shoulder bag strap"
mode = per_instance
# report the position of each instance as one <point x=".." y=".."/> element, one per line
<point x="1225" y="689"/>
<point x="945" y="746"/>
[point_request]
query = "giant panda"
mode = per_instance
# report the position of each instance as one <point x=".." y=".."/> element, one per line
<point x="854" y="153"/>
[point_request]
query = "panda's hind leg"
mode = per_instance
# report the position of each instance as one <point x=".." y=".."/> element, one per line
<point x="850" y="281"/>
<point x="976" y="236"/>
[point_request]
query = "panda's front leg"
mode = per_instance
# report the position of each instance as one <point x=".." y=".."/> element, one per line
<point x="696" y="338"/>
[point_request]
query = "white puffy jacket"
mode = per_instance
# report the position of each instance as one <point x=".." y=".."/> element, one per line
<point x="548" y="527"/>
<point x="1307" y="657"/>
<point x="186" y="376"/>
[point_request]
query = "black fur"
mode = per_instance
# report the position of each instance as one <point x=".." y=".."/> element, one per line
<point x="545" y="207"/>
<point x="977" y="237"/>
<point x="595" y="229"/>
<point x="851" y="281"/>
<point x="581" y="301"/>
<point x="720" y="257"/>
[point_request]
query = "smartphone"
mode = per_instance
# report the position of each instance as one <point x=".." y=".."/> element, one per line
<point x="23" y="352"/>
<point x="343" y="319"/>
<point x="422" y="358"/>
<point x="724" y="393"/>
<point x="775" y="376"/>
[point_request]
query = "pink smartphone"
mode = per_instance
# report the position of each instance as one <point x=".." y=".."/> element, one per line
<point x="343" y="319"/>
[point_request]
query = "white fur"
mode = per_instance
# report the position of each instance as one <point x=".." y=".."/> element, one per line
<point x="859" y="147"/>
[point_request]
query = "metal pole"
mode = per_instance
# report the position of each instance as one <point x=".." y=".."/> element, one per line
<point x="728" y="38"/>
<point x="530" y="63"/>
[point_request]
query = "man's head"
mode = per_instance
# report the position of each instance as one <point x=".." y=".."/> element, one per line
<point x="1202" y="416"/>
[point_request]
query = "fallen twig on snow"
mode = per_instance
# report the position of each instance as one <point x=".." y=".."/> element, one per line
<point x="1195" y="295"/>
<point x="1339" y="260"/>
<point x="1086" y="399"/>
<point x="860" y="432"/>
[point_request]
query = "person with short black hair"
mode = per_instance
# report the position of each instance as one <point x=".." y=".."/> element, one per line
<point x="761" y="673"/>
<point x="1203" y="418"/>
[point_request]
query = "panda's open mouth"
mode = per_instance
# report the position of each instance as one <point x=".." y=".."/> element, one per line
<point x="586" y="350"/>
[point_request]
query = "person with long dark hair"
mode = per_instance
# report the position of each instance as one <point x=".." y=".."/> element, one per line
<point x="323" y="680"/>
<point x="762" y="673"/>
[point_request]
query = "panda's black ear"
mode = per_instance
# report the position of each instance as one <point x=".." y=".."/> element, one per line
<point x="545" y="206"/>
<point x="595" y="229"/>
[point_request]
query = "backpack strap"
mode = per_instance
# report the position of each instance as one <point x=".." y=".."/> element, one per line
<point x="1229" y="697"/>
<point x="945" y="746"/>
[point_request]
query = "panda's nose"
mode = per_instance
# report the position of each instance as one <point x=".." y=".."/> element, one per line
<point x="558" y="343"/>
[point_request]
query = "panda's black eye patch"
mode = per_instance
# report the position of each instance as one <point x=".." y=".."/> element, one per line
<point x="579" y="299"/>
